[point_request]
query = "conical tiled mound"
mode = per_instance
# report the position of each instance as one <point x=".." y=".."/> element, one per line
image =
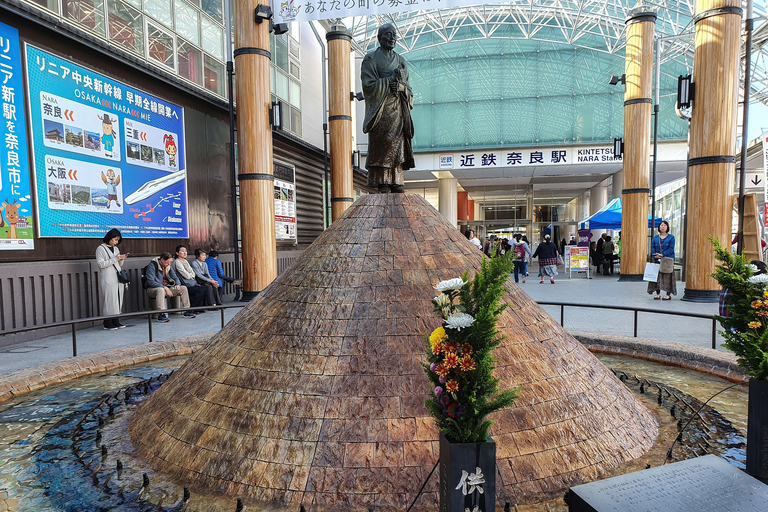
<point x="313" y="393"/>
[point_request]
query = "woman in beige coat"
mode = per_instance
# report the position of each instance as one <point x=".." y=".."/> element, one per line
<point x="111" y="291"/>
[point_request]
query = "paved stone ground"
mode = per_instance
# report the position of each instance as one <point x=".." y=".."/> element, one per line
<point x="599" y="290"/>
<point x="95" y="339"/>
<point x="607" y="290"/>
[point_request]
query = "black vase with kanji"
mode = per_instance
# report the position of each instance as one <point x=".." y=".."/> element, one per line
<point x="467" y="476"/>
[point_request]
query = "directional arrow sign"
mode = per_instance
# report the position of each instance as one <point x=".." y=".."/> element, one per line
<point x="73" y="174"/>
<point x="754" y="180"/>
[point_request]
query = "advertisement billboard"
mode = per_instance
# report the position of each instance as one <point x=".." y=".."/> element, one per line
<point x="16" y="216"/>
<point x="106" y="155"/>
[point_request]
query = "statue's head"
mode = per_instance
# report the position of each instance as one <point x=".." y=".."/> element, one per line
<point x="387" y="36"/>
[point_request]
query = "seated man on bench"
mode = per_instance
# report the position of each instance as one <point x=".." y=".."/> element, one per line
<point x="161" y="281"/>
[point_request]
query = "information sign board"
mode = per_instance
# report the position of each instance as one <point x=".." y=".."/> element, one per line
<point x="16" y="218"/>
<point x="106" y="155"/>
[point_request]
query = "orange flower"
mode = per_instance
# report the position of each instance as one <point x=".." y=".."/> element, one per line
<point x="754" y="325"/>
<point x="451" y="386"/>
<point x="757" y="304"/>
<point x="451" y="360"/>
<point x="437" y="348"/>
<point x="467" y="364"/>
<point x="762" y="313"/>
<point x="441" y="370"/>
<point x="466" y="349"/>
<point x="765" y="294"/>
<point x="451" y="347"/>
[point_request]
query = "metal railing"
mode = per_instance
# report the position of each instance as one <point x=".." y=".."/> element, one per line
<point x="563" y="305"/>
<point x="149" y="314"/>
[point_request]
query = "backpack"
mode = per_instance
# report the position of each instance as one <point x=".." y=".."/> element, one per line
<point x="520" y="252"/>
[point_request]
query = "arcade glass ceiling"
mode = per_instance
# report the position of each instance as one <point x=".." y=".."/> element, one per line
<point x="532" y="72"/>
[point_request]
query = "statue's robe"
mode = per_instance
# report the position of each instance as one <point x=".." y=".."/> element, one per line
<point x="388" y="120"/>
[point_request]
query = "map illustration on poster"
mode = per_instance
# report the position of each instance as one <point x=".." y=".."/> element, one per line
<point x="106" y="155"/>
<point x="16" y="216"/>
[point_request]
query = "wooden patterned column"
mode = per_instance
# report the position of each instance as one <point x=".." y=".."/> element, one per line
<point x="340" y="118"/>
<point x="257" y="204"/>
<point x="638" y="71"/>
<point x="712" y="149"/>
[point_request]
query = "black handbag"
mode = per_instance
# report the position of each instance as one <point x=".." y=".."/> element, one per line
<point x="122" y="277"/>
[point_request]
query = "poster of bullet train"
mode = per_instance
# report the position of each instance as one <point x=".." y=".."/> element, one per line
<point x="105" y="154"/>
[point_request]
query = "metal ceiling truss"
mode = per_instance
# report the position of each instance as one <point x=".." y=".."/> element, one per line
<point x="597" y="25"/>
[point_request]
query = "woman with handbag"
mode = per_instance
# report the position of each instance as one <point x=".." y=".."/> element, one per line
<point x="663" y="251"/>
<point x="549" y="258"/>
<point x="111" y="274"/>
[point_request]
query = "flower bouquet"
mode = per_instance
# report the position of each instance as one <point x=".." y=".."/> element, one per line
<point x="746" y="333"/>
<point x="460" y="362"/>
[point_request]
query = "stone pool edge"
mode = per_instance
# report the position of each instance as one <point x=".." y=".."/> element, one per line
<point x="31" y="379"/>
<point x="705" y="360"/>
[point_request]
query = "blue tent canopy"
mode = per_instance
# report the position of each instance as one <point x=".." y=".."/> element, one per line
<point x="609" y="217"/>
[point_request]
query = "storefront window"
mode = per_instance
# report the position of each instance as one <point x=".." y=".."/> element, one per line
<point x="126" y="26"/>
<point x="187" y="21"/>
<point x="88" y="13"/>
<point x="51" y="5"/>
<point x="190" y="62"/>
<point x="280" y="56"/>
<point x="295" y="97"/>
<point x="160" y="46"/>
<point x="281" y="85"/>
<point x="213" y="9"/>
<point x="295" y="120"/>
<point x="215" y="80"/>
<point x="160" y="10"/>
<point x="135" y="3"/>
<point x="212" y="38"/>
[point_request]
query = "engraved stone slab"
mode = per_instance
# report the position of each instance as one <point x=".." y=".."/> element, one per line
<point x="703" y="483"/>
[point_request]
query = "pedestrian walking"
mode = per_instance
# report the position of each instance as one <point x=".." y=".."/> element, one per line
<point x="520" y="253"/>
<point x="663" y="251"/>
<point x="547" y="253"/>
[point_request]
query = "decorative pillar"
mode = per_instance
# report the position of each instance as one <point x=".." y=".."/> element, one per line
<point x="446" y="199"/>
<point x="618" y="184"/>
<point x="340" y="118"/>
<point x="638" y="71"/>
<point x="712" y="147"/>
<point x="257" y="203"/>
<point x="462" y="207"/>
<point x="598" y="197"/>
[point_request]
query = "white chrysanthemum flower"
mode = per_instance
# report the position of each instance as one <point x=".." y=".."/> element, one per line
<point x="459" y="321"/>
<point x="442" y="301"/>
<point x="762" y="278"/>
<point x="451" y="284"/>
<point x="754" y="268"/>
<point x="446" y="312"/>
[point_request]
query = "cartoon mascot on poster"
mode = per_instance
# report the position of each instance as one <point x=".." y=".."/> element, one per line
<point x="111" y="181"/>
<point x="109" y="136"/>
<point x="170" y="149"/>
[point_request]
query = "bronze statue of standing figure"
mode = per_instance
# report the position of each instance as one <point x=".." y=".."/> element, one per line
<point x="388" y="123"/>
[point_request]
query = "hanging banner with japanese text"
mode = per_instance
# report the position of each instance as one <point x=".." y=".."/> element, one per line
<point x="306" y="10"/>
<point x="106" y="155"/>
<point x="764" y="136"/>
<point x="16" y="228"/>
